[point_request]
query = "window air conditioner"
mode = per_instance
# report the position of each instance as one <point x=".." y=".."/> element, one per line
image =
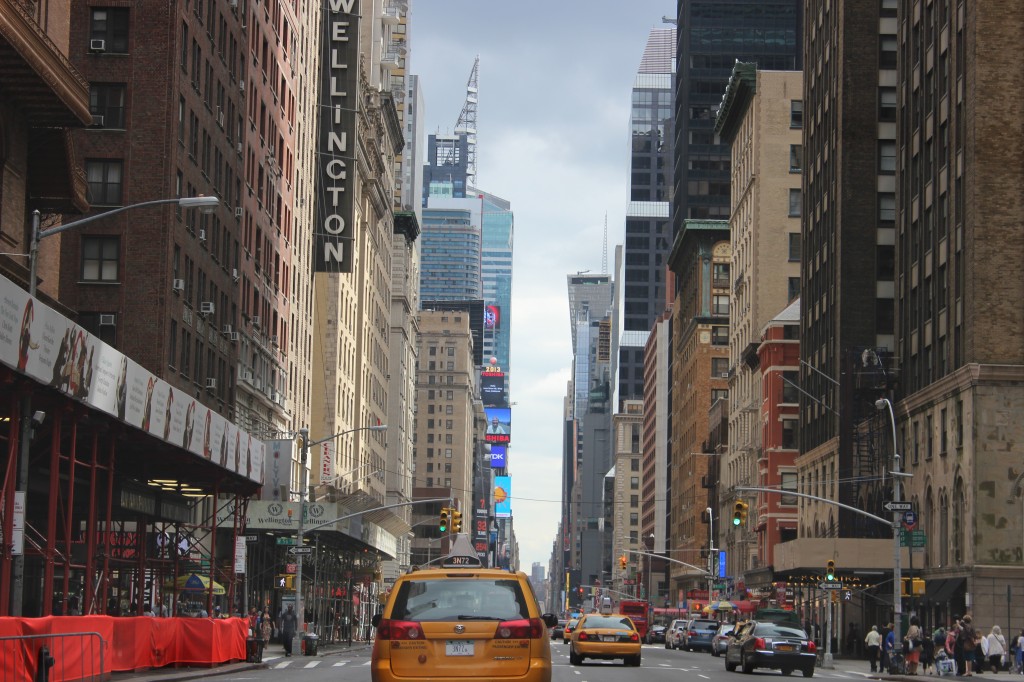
<point x="234" y="274"/>
<point x="724" y="375"/>
<point x="97" y="120"/>
<point x="233" y="337"/>
<point x="107" y="321"/>
<point x="227" y="329"/>
<point x="211" y="382"/>
<point x="238" y="211"/>
<point x="202" y="235"/>
<point x="178" y="285"/>
<point x="206" y="308"/>
<point x="256" y="321"/>
<point x="247" y="375"/>
<point x="97" y="45"/>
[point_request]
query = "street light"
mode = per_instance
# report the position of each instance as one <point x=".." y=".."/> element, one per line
<point x="711" y="551"/>
<point x="304" y="435"/>
<point x="897" y="576"/>
<point x="205" y="204"/>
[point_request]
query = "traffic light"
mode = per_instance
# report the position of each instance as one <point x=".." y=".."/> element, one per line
<point x="622" y="562"/>
<point x="443" y="523"/>
<point x="739" y="514"/>
<point x="830" y="570"/>
<point x="286" y="582"/>
<point x="456" y="521"/>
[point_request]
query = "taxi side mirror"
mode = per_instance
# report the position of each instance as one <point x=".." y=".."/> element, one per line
<point x="375" y="619"/>
<point x="550" y="619"/>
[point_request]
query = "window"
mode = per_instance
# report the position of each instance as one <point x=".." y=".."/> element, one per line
<point x="794" y="247"/>
<point x="887" y="52"/>
<point x="101" y="325"/>
<point x="792" y="288"/>
<point x="634" y="518"/>
<point x="719" y="368"/>
<point x="719" y="304"/>
<point x="794" y="203"/>
<point x="720" y="274"/>
<point x="796" y="157"/>
<point x="788" y="483"/>
<point x="719" y="335"/>
<point x="943" y="437"/>
<point x="104" y="178"/>
<point x="634" y="500"/>
<point x="634" y="482"/>
<point x="887" y="207"/>
<point x="719" y="394"/>
<point x="99" y="258"/>
<point x="106" y="104"/>
<point x="796" y="113"/>
<point x="789" y="433"/>
<point x="110" y="25"/>
<point x="887" y="104"/>
<point x="790" y="380"/>
<point x="634" y="464"/>
<point x="887" y="157"/>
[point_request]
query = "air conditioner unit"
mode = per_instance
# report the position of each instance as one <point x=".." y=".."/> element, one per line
<point x="97" y="45"/>
<point x="202" y="235"/>
<point x="206" y="308"/>
<point x="220" y="119"/>
<point x="724" y="375"/>
<point x="275" y="397"/>
<point x="241" y="83"/>
<point x="256" y="321"/>
<point x="238" y="148"/>
<point x="227" y="330"/>
<point x="178" y="285"/>
<point x="238" y="211"/>
<point x="234" y="274"/>
<point x="97" y="120"/>
<point x="247" y="375"/>
<point x="211" y="382"/>
<point x="107" y="321"/>
<point x="233" y="337"/>
<point x="273" y="340"/>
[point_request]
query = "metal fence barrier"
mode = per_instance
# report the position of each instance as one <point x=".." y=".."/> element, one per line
<point x="64" y="657"/>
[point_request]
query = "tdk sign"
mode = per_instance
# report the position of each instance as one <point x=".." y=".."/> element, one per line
<point x="499" y="459"/>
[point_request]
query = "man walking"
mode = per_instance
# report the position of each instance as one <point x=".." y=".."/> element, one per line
<point x="872" y="642"/>
<point x="289" y="624"/>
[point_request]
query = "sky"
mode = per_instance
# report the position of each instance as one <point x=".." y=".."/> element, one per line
<point x="553" y="138"/>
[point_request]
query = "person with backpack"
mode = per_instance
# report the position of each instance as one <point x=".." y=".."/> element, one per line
<point x="969" y="641"/>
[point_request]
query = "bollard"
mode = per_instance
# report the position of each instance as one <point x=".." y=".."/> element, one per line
<point x="43" y="665"/>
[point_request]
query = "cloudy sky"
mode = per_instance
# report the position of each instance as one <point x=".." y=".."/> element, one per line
<point x="553" y="122"/>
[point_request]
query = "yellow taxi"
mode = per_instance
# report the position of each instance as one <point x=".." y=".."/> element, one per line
<point x="605" y="636"/>
<point x="567" y="632"/>
<point x="462" y="621"/>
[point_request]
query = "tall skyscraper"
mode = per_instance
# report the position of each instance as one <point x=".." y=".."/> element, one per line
<point x="496" y="273"/>
<point x="452" y="250"/>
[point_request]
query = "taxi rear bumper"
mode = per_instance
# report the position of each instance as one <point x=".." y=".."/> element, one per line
<point x="607" y="649"/>
<point x="538" y="671"/>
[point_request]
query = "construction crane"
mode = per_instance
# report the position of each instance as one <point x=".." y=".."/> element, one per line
<point x="467" y="122"/>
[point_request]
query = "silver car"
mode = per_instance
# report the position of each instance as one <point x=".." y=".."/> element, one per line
<point x="674" y="634"/>
<point x="720" y="642"/>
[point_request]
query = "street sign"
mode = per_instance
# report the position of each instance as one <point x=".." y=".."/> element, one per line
<point x="912" y="538"/>
<point x="286" y="540"/>
<point x="252" y="538"/>
<point x="300" y="550"/>
<point x="910" y="519"/>
<point x="830" y="585"/>
<point x="898" y="506"/>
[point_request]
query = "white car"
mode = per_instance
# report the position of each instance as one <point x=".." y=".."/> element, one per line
<point x="674" y="634"/>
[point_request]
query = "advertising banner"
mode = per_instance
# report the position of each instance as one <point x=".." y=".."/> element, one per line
<point x="502" y="497"/>
<point x="492" y="317"/>
<point x="499" y="459"/>
<point x="40" y="342"/>
<point x="326" y="465"/>
<point x="277" y="475"/>
<point x="499" y="424"/>
<point x="492" y="389"/>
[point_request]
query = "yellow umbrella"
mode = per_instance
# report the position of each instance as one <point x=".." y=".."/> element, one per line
<point x="194" y="583"/>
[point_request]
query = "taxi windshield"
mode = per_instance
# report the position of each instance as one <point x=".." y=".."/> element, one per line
<point x="620" y="622"/>
<point x="459" y="599"/>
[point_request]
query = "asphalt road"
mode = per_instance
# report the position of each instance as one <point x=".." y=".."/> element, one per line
<point x="658" y="665"/>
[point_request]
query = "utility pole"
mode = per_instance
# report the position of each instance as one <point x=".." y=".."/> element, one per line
<point x="299" y="606"/>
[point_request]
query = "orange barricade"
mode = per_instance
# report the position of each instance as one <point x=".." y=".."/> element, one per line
<point x="131" y="643"/>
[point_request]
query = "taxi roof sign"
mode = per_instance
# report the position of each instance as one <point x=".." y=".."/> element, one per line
<point x="462" y="555"/>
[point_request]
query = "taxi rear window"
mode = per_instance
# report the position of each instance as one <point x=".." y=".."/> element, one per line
<point x="607" y="622"/>
<point x="454" y="599"/>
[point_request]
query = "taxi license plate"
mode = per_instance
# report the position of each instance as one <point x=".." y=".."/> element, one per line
<point x="784" y="647"/>
<point x="609" y="638"/>
<point x="458" y="647"/>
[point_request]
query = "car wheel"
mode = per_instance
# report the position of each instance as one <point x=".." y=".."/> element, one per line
<point x="632" y="660"/>
<point x="787" y="671"/>
<point x="808" y="672"/>
<point x="714" y="652"/>
<point x="574" y="659"/>
<point x="748" y="667"/>
<point x="730" y="667"/>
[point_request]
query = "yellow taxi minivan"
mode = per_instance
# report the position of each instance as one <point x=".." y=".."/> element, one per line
<point x="462" y="621"/>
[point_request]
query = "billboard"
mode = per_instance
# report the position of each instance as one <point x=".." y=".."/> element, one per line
<point x="277" y="473"/>
<point x="499" y="425"/>
<point x="502" y="497"/>
<point x="492" y="389"/>
<point x="492" y="317"/>
<point x="499" y="456"/>
<point x="334" y="230"/>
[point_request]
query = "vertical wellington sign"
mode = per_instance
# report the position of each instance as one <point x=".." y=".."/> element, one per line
<point x="334" y="232"/>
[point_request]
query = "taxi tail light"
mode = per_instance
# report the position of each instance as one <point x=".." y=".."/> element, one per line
<point x="635" y="637"/>
<point x="583" y="635"/>
<point x="759" y="643"/>
<point x="811" y="647"/>
<point x="399" y="630"/>
<point x="532" y="628"/>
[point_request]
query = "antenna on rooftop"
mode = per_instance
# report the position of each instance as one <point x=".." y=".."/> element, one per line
<point x="467" y="121"/>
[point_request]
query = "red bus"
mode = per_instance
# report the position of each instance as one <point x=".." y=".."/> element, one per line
<point x="637" y="611"/>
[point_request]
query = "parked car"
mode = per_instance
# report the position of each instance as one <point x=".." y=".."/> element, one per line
<point x="673" y="634"/>
<point x="721" y="639"/>
<point x="698" y="634"/>
<point x="656" y="635"/>
<point x="758" y="644"/>
<point x="558" y="630"/>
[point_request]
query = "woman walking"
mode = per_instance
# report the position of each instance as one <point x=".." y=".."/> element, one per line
<point x="266" y="629"/>
<point x="996" y="648"/>
<point x="913" y="646"/>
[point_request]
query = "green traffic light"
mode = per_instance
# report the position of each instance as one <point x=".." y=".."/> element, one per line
<point x="736" y="520"/>
<point x="443" y="528"/>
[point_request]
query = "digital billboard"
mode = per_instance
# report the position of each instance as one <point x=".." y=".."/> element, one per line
<point x="499" y="456"/>
<point x="492" y="317"/>
<point x="502" y="497"/>
<point x="492" y="389"/>
<point x="499" y="424"/>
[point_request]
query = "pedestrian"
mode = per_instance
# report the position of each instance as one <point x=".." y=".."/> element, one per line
<point x="996" y="648"/>
<point x="266" y="629"/>
<point x="289" y="624"/>
<point x="968" y="639"/>
<point x="872" y="642"/>
<point x="912" y="646"/>
<point x="888" y="646"/>
<point x="1020" y="652"/>
<point x="927" y="654"/>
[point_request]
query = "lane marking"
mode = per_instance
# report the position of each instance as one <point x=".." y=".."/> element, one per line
<point x="312" y="664"/>
<point x="340" y="663"/>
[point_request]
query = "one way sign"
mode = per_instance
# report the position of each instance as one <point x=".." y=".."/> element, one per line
<point x="898" y="506"/>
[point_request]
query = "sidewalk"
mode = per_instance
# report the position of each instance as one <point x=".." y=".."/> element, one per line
<point x="272" y="654"/>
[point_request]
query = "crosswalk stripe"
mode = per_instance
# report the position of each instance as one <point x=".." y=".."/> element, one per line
<point x="312" y="664"/>
<point x="282" y="665"/>
<point x="340" y="663"/>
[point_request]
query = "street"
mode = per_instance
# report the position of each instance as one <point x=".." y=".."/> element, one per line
<point x="659" y="664"/>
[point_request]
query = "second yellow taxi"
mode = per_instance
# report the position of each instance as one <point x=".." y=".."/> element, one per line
<point x="605" y="636"/>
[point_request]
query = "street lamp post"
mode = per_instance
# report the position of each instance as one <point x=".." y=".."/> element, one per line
<point x="205" y="204"/>
<point x="711" y="551"/>
<point x="304" y="457"/>
<point x="897" y="575"/>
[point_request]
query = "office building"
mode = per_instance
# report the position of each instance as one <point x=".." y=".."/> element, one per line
<point x="496" y="275"/>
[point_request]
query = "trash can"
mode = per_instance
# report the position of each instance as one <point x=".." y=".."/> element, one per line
<point x="309" y="643"/>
